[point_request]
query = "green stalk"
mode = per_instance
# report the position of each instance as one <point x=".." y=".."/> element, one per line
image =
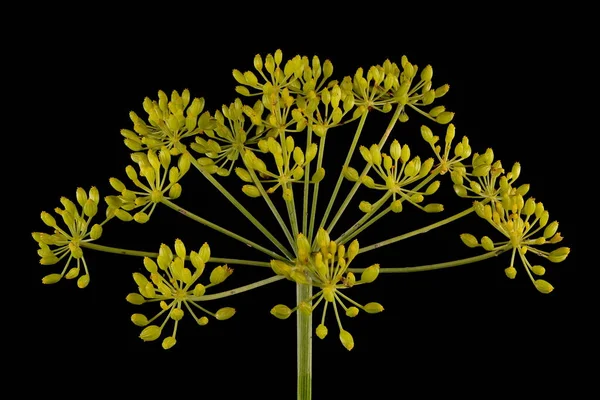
<point x="351" y="232"/>
<point x="356" y="232"/>
<point x="137" y="253"/>
<point x="304" y="343"/>
<point x="224" y="231"/>
<point x="358" y="227"/>
<point x="271" y="206"/>
<point x="238" y="290"/>
<point x="306" y="185"/>
<point x="313" y="209"/>
<point x="241" y="208"/>
<point x="366" y="170"/>
<point x="338" y="184"/>
<point x="291" y="209"/>
<point x="432" y="267"/>
<point x="417" y="231"/>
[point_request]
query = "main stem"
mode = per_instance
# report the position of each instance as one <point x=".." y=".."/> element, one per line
<point x="304" y="345"/>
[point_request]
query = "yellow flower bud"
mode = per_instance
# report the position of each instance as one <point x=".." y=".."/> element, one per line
<point x="251" y="190"/>
<point x="141" y="217"/>
<point x="352" y="312"/>
<point x="352" y="250"/>
<point x="405" y="154"/>
<point x="123" y="215"/>
<point x="135" y="298"/>
<point x="370" y="274"/>
<point x="180" y="249"/>
<point x="202" y="321"/>
<point x="225" y="313"/>
<point x="396" y="206"/>
<point x="150" y="333"/>
<point x="510" y="272"/>
<point x="559" y="254"/>
<point x="139" y="319"/>
<point x="487" y="243"/>
<point x="83" y="281"/>
<point x="318" y="175"/>
<point x="351" y="174"/>
<point x="50" y="279"/>
<point x="281" y="268"/>
<point x="368" y="181"/>
<point x="543" y="287"/>
<point x="444" y="117"/>
<point x="219" y="274"/>
<point x="427" y="73"/>
<point x="305" y="308"/>
<point x="72" y="274"/>
<point x="48" y="219"/>
<point x="373" y="308"/>
<point x="469" y="240"/>
<point x="199" y="290"/>
<point x="426" y="134"/>
<point x="176" y="314"/>
<point x="168" y="342"/>
<point x="375" y="154"/>
<point x="395" y="150"/>
<point x="516" y="171"/>
<point x="365" y="206"/>
<point x="281" y="311"/>
<point x="96" y="232"/>
<point x="538" y="270"/>
<point x="551" y="229"/>
<point x="347" y="339"/>
<point x="321" y="331"/>
<point x="523" y="189"/>
<point x="432" y="188"/>
<point x="434" y="208"/>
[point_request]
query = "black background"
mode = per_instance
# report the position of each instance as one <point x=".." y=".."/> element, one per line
<point x="461" y="329"/>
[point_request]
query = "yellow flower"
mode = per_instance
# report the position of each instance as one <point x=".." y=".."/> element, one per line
<point x="67" y="241"/>
<point x="161" y="182"/>
<point x="175" y="288"/>
<point x="398" y="174"/>
<point x="524" y="223"/>
<point x="169" y="121"/>
<point x="326" y="269"/>
<point x="230" y="137"/>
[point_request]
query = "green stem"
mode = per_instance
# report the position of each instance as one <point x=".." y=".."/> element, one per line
<point x="417" y="231"/>
<point x="357" y="184"/>
<point x="291" y="209"/>
<point x="271" y="206"/>
<point x="351" y="232"/>
<point x="241" y="208"/>
<point x="306" y="185"/>
<point x="432" y="267"/>
<point x="338" y="184"/>
<point x="352" y="235"/>
<point x="224" y="231"/>
<point x="126" y="252"/>
<point x="304" y="345"/>
<point x="313" y="209"/>
<point x="238" y="290"/>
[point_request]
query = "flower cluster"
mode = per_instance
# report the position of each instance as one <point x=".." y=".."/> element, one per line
<point x="290" y="161"/>
<point x="161" y="182"/>
<point x="169" y="121"/>
<point x="525" y="226"/>
<point x="447" y="161"/>
<point x="326" y="269"/>
<point x="230" y="137"/>
<point x="386" y="85"/>
<point x="174" y="286"/>
<point x="67" y="242"/>
<point x="397" y="171"/>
